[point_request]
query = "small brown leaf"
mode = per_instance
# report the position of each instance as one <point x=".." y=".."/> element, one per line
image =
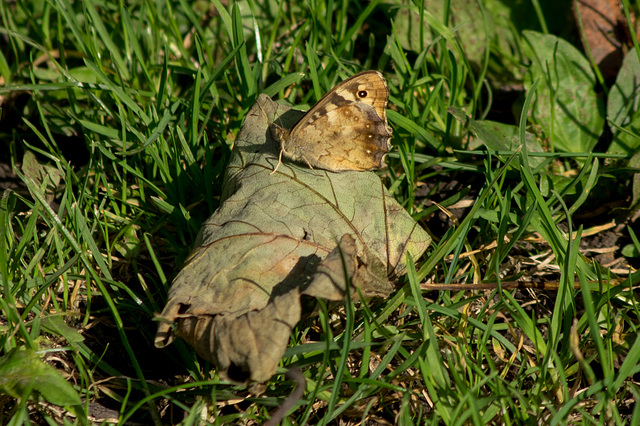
<point x="601" y="20"/>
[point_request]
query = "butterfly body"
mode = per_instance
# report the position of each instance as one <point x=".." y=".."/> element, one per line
<point x="346" y="130"/>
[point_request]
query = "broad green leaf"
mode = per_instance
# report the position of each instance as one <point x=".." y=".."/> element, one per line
<point x="505" y="137"/>
<point x="627" y="139"/>
<point x="630" y="251"/>
<point x="22" y="371"/>
<point x="465" y="19"/>
<point x="553" y="182"/>
<point x="407" y="25"/>
<point x="498" y="136"/>
<point x="623" y="104"/>
<point x="565" y="105"/>
<point x="623" y="107"/>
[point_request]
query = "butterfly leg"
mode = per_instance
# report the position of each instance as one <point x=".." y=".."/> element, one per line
<point x="277" y="165"/>
<point x="310" y="166"/>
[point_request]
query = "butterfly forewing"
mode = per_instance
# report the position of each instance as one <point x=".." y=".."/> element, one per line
<point x="372" y="85"/>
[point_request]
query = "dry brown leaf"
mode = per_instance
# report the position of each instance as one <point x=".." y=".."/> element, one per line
<point x="601" y="20"/>
<point x="273" y="238"/>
